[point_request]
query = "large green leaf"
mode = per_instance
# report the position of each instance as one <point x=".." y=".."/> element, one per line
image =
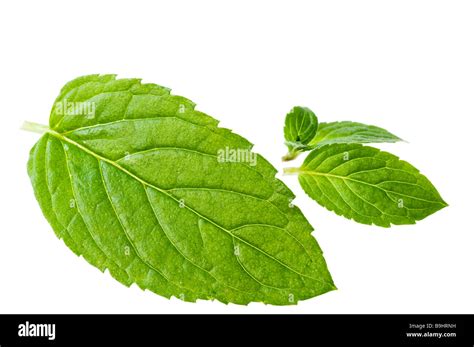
<point x="367" y="185"/>
<point x="135" y="180"/>
<point x="350" y="132"/>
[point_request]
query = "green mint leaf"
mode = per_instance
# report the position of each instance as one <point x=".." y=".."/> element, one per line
<point x="350" y="132"/>
<point x="367" y="185"/>
<point x="301" y="125"/>
<point x="138" y="182"/>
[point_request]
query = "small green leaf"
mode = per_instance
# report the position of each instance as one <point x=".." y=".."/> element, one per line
<point x="367" y="185"/>
<point x="138" y="182"/>
<point x="301" y="125"/>
<point x="350" y="132"/>
<point x="303" y="133"/>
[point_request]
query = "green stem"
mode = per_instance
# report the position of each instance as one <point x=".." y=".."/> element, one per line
<point x="291" y="170"/>
<point x="34" y="127"/>
<point x="292" y="154"/>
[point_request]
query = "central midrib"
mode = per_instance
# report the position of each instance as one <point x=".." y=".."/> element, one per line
<point x="117" y="166"/>
<point x="344" y="178"/>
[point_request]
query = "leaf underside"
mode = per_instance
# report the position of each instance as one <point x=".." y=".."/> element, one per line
<point x="367" y="185"/>
<point x="350" y="132"/>
<point x="136" y="188"/>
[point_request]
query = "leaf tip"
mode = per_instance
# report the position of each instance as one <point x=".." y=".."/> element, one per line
<point x="444" y="204"/>
<point x="402" y="140"/>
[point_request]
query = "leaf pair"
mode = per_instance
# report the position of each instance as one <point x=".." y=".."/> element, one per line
<point x="358" y="182"/>
<point x="138" y="182"/>
<point x="303" y="133"/>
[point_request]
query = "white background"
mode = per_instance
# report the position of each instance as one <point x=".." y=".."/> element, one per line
<point x="407" y="66"/>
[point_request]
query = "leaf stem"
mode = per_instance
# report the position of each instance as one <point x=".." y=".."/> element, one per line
<point x="289" y="156"/>
<point x="34" y="127"/>
<point x="291" y="170"/>
<point x="294" y="149"/>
